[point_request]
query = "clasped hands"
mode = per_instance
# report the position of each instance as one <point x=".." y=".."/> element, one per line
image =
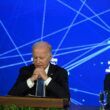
<point x="39" y="73"/>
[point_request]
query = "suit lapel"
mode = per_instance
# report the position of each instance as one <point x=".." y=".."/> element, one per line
<point x="51" y="70"/>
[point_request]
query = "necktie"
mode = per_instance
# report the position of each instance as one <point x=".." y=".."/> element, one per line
<point x="40" y="88"/>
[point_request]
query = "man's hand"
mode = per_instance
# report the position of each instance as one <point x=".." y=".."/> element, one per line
<point x="42" y="74"/>
<point x="39" y="73"/>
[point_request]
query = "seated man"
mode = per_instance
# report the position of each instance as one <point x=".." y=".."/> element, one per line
<point x="55" y="78"/>
<point x="107" y="90"/>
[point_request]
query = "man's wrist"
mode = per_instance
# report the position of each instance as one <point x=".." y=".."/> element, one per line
<point x="30" y="83"/>
<point x="47" y="81"/>
<point x="32" y="79"/>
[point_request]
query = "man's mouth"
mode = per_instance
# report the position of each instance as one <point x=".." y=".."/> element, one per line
<point x="39" y="65"/>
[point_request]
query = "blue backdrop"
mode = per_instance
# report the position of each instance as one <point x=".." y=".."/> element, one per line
<point x="78" y="30"/>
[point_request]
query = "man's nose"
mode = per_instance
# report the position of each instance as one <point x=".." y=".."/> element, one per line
<point x="38" y="60"/>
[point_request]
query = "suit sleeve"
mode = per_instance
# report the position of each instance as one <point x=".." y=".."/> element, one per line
<point x="59" y="85"/>
<point x="20" y="88"/>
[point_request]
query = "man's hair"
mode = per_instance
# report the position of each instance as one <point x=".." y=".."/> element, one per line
<point x="44" y="44"/>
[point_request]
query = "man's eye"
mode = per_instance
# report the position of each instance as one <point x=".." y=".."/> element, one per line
<point x="41" y="58"/>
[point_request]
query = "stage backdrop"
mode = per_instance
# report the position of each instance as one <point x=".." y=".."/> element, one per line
<point x="78" y="30"/>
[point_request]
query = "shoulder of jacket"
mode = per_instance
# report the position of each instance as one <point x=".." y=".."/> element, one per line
<point x="27" y="67"/>
<point x="57" y="67"/>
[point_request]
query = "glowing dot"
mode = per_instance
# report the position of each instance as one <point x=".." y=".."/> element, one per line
<point x="83" y="100"/>
<point x="101" y="63"/>
<point x="94" y="64"/>
<point x="108" y="42"/>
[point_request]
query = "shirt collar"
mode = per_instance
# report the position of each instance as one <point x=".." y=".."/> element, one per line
<point x="47" y="68"/>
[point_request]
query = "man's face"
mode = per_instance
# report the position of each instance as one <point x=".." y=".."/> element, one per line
<point x="41" y="57"/>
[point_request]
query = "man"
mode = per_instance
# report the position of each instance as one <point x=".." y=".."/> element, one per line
<point x="107" y="82"/>
<point x="107" y="90"/>
<point x="55" y="78"/>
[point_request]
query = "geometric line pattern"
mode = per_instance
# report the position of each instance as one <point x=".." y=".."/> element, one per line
<point x="79" y="32"/>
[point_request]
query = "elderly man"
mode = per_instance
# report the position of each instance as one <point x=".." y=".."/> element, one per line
<point x="55" y="78"/>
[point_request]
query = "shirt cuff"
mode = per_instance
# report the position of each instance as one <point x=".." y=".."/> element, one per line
<point x="30" y="83"/>
<point x="46" y="82"/>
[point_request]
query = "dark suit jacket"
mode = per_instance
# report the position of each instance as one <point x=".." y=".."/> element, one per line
<point x="107" y="82"/>
<point x="58" y="87"/>
<point x="107" y="90"/>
